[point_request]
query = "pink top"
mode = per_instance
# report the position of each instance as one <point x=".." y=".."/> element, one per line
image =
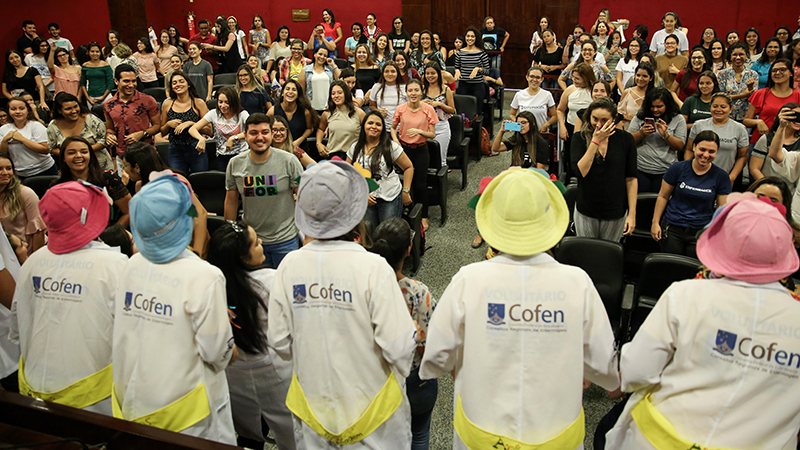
<point x="147" y="66"/>
<point x="422" y="119"/>
<point x="164" y="57"/>
<point x="64" y="81"/>
<point x="331" y="32"/>
<point x="28" y="221"/>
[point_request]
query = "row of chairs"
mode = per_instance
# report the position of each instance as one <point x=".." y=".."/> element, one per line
<point x="603" y="261"/>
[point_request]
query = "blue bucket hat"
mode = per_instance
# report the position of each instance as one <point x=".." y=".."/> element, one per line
<point x="161" y="219"/>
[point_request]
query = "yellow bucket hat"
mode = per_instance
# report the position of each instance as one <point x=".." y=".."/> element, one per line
<point x="522" y="213"/>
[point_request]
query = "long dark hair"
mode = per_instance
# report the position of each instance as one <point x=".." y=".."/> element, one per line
<point x="709" y="74"/>
<point x="303" y="104"/>
<point x="348" y="98"/>
<point x="687" y="72"/>
<point x="108" y="47"/>
<point x="391" y="240"/>
<point x="36" y="47"/>
<point x="66" y="97"/>
<point x="175" y="40"/>
<point x="786" y="193"/>
<point x="146" y="157"/>
<point x="95" y="175"/>
<point x="10" y="73"/>
<point x="790" y="106"/>
<point x="627" y="57"/>
<point x="647" y="67"/>
<point x="417" y="54"/>
<point x="478" y="37"/>
<point x="518" y="144"/>
<point x="601" y="103"/>
<point x="288" y="34"/>
<point x="397" y="82"/>
<point x="148" y="48"/>
<point x="190" y="89"/>
<point x="333" y="19"/>
<point x="402" y="27"/>
<point x="117" y="236"/>
<point x="382" y="150"/>
<point x="222" y="36"/>
<point x="229" y="244"/>
<point x="758" y="40"/>
<point x="425" y="84"/>
<point x="764" y="58"/>
<point x="659" y="93"/>
<point x="387" y="52"/>
<point x="362" y="39"/>
<point x="233" y="100"/>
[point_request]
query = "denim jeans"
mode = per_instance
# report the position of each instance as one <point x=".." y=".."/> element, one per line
<point x="274" y="253"/>
<point x="477" y="90"/>
<point x="384" y="210"/>
<point x="223" y="160"/>
<point x="422" y="397"/>
<point x="186" y="159"/>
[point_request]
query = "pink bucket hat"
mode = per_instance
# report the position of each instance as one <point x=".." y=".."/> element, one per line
<point x="749" y="240"/>
<point x="75" y="213"/>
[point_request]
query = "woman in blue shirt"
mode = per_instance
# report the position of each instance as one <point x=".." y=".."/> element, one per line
<point x="690" y="191"/>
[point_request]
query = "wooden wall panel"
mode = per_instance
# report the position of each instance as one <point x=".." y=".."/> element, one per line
<point x="452" y="17"/>
<point x="129" y="18"/>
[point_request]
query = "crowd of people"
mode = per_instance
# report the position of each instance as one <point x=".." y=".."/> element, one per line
<point x="293" y="317"/>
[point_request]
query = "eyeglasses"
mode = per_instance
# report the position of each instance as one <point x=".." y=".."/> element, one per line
<point x="780" y="70"/>
<point x="697" y="58"/>
<point x="782" y="33"/>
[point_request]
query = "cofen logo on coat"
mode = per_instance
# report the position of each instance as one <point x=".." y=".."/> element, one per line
<point x="315" y="291"/>
<point x="148" y="305"/>
<point x="299" y="293"/>
<point x="497" y="312"/>
<point x="729" y="344"/>
<point x="61" y="287"/>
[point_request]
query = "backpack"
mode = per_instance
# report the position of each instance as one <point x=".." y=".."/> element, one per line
<point x="486" y="143"/>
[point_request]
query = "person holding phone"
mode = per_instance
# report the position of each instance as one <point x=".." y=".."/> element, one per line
<point x="660" y="133"/>
<point x="760" y="165"/>
<point x="528" y="147"/>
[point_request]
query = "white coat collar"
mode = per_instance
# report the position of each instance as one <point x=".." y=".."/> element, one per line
<point x="774" y="286"/>
<point x="332" y="246"/>
<point x="100" y="245"/>
<point x="540" y="258"/>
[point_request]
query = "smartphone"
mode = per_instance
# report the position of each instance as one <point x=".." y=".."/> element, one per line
<point x="650" y="121"/>
<point x="512" y="126"/>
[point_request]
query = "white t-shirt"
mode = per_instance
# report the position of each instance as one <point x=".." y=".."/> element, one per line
<point x="27" y="162"/>
<point x="657" y="43"/>
<point x="320" y="83"/>
<point x="240" y="41"/>
<point x="389" y="183"/>
<point x="390" y="100"/>
<point x="225" y="128"/>
<point x="40" y="64"/>
<point x="62" y="43"/>
<point x="537" y="104"/>
<point x="628" y="70"/>
<point x="9" y="351"/>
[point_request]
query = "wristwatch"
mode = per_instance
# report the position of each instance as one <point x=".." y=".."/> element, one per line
<point x="146" y="135"/>
<point x="406" y="190"/>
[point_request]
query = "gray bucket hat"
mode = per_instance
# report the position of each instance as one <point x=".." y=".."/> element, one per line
<point x="331" y="200"/>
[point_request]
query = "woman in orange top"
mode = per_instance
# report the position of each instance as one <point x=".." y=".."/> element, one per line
<point x="414" y="123"/>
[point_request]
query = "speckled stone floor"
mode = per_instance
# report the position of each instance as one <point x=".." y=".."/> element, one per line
<point x="449" y="250"/>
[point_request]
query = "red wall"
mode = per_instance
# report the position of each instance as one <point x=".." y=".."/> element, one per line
<point x="80" y="27"/>
<point x="722" y="16"/>
<point x="93" y="22"/>
<point x="275" y="14"/>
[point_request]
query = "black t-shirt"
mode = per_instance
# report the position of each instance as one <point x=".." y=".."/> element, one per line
<point x="602" y="193"/>
<point x="398" y="41"/>
<point x="495" y="38"/>
<point x="24" y="42"/>
<point x="549" y="59"/>
<point x="542" y="151"/>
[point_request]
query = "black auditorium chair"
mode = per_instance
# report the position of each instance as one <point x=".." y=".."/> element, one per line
<point x="458" y="151"/>
<point x="571" y="196"/>
<point x="468" y="105"/>
<point x="437" y="179"/>
<point x="659" y="271"/>
<point x="413" y="215"/>
<point x="210" y="189"/>
<point x="602" y="260"/>
<point x="40" y="183"/>
<point x="163" y="151"/>
<point x="640" y="243"/>
<point x="158" y="93"/>
<point x="227" y="79"/>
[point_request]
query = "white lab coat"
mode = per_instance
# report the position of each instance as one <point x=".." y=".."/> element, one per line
<point x="171" y="336"/>
<point x="519" y="377"/>
<point x="9" y="351"/>
<point x="258" y="385"/>
<point x="343" y="350"/>
<point x="702" y="379"/>
<point x="64" y="310"/>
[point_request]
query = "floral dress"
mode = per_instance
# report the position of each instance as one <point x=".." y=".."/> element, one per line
<point x="420" y="304"/>
<point x="728" y="83"/>
<point x="260" y="37"/>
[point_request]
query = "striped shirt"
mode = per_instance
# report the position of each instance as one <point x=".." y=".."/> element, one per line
<point x="467" y="61"/>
